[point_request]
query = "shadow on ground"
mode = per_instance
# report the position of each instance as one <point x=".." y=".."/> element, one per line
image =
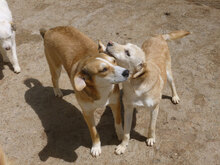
<point x="64" y="124"/>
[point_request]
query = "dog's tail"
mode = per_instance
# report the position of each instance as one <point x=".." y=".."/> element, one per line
<point x="175" y="35"/>
<point x="42" y="32"/>
<point x="3" y="159"/>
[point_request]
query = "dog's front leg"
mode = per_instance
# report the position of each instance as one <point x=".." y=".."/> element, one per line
<point x="96" y="144"/>
<point x="4" y="55"/>
<point x="115" y="106"/>
<point x="16" y="66"/>
<point x="128" y="115"/>
<point x="152" y="126"/>
<point x="116" y="110"/>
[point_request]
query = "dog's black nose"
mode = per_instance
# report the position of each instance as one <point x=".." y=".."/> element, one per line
<point x="7" y="48"/>
<point x="110" y="43"/>
<point x="125" y="73"/>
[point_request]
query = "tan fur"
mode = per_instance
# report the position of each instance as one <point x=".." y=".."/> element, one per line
<point x="3" y="159"/>
<point x="80" y="57"/>
<point x="150" y="68"/>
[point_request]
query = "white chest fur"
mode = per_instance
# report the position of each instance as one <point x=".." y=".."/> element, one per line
<point x="137" y="97"/>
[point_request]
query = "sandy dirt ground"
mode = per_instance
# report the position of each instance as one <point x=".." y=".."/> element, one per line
<point x="38" y="128"/>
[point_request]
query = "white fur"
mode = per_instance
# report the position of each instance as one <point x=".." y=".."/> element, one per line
<point x="169" y="77"/>
<point x="7" y="35"/>
<point x="166" y="36"/>
<point x="101" y="59"/>
<point x="149" y="102"/>
<point x="96" y="149"/>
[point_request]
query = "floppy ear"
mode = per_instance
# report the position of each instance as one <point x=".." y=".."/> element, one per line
<point x="79" y="82"/>
<point x="101" y="47"/>
<point x="140" y="70"/>
<point x="13" y="26"/>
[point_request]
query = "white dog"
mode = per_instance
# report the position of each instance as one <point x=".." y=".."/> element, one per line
<point x="7" y="35"/>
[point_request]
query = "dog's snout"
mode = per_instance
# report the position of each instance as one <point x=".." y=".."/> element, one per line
<point x="7" y="48"/>
<point x="125" y="73"/>
<point x="110" y="43"/>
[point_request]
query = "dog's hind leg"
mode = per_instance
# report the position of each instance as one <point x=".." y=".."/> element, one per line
<point x="16" y="66"/>
<point x="175" y="97"/>
<point x="151" y="133"/>
<point x="55" y="75"/>
<point x="55" y="80"/>
<point x="55" y="70"/>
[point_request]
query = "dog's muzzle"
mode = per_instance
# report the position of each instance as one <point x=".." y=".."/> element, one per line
<point x="7" y="48"/>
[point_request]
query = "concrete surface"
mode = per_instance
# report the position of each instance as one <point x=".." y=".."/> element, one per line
<point x="37" y="128"/>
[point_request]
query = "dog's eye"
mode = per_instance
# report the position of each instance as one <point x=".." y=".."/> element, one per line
<point x="104" y="69"/>
<point x="127" y="53"/>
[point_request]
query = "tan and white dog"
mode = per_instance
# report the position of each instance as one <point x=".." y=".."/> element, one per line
<point x="93" y="75"/>
<point x="150" y="67"/>
<point x="7" y="35"/>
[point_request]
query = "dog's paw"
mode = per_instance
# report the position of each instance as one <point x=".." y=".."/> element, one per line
<point x="120" y="149"/>
<point x="17" y="69"/>
<point x="150" y="141"/>
<point x="96" y="150"/>
<point x="176" y="99"/>
<point x="57" y="92"/>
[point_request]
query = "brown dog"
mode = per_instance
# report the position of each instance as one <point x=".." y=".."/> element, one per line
<point x="92" y="73"/>
<point x="150" y="68"/>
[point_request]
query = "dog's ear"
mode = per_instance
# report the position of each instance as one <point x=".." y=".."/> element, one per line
<point x="79" y="82"/>
<point x="13" y="26"/>
<point x="101" y="47"/>
<point x="140" y="70"/>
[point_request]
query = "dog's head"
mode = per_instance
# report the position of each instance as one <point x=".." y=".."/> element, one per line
<point x="129" y="56"/>
<point x="6" y="32"/>
<point x="99" y="70"/>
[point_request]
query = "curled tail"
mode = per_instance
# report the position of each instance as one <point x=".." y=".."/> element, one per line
<point x="175" y="35"/>
<point x="42" y="32"/>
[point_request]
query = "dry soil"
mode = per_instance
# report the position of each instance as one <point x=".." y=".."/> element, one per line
<point x="38" y="128"/>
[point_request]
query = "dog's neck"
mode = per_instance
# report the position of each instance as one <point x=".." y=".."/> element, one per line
<point x="141" y="68"/>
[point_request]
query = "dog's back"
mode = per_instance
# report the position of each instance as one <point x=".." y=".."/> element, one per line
<point x="157" y="51"/>
<point x="5" y="13"/>
<point x="69" y="43"/>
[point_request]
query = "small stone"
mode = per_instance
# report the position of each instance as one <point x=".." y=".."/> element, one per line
<point x="173" y="118"/>
<point x="167" y="13"/>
